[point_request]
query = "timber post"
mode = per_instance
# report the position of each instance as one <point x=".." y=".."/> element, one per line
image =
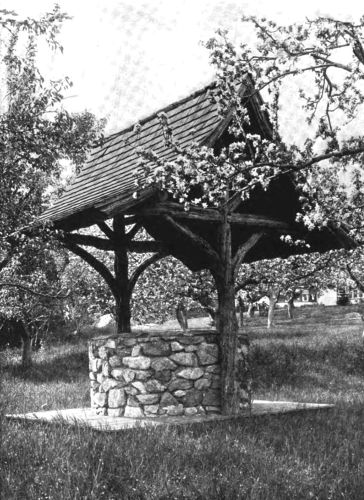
<point x="121" y="270"/>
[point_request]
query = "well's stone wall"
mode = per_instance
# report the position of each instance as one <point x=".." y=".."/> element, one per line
<point x="160" y="373"/>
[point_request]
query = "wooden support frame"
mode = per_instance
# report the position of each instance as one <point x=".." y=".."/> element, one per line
<point x="213" y="215"/>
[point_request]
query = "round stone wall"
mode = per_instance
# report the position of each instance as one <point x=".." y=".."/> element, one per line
<point x="160" y="373"/>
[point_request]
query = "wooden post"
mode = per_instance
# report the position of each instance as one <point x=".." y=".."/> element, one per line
<point x="121" y="270"/>
<point x="227" y="324"/>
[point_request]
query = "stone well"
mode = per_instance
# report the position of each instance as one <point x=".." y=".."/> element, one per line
<point x="161" y="373"/>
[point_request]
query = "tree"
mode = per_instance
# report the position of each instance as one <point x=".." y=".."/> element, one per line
<point x="331" y="96"/>
<point x="279" y="278"/>
<point x="36" y="133"/>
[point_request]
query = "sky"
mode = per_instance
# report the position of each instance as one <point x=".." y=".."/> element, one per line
<point x="128" y="58"/>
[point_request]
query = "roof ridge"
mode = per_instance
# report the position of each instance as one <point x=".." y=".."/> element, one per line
<point x="170" y="107"/>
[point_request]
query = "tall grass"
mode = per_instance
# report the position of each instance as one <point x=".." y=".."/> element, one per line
<point x="308" y="455"/>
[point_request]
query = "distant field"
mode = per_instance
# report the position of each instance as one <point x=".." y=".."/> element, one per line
<point x="317" y="357"/>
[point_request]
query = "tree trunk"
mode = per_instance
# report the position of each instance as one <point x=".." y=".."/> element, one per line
<point x="235" y="386"/>
<point x="228" y="329"/>
<point x="250" y="310"/>
<point x="290" y="307"/>
<point x="121" y="268"/>
<point x="26" y="355"/>
<point x="240" y="312"/>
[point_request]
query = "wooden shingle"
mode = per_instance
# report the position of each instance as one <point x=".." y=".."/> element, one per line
<point x="107" y="181"/>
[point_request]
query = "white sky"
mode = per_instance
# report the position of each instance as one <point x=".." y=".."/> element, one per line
<point x="128" y="58"/>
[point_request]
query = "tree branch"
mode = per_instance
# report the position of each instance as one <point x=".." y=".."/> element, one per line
<point x="356" y="280"/>
<point x="6" y="284"/>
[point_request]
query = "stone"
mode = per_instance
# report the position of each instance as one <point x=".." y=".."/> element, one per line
<point x="93" y="351"/>
<point x="164" y="376"/>
<point x="123" y="374"/>
<point x="213" y="369"/>
<point x="132" y="401"/>
<point x="122" y="353"/>
<point x="116" y="398"/>
<point x="95" y="364"/>
<point x="151" y="409"/>
<point x="193" y="339"/>
<point x="179" y="384"/>
<point x="94" y="385"/>
<point x="216" y="382"/>
<point x="115" y="412"/>
<point x="140" y="387"/>
<point x="176" y="346"/>
<point x="212" y="398"/>
<point x="106" y="370"/>
<point x="115" y="361"/>
<point x="148" y="399"/>
<point x="184" y="358"/>
<point x="99" y="399"/>
<point x="133" y="412"/>
<point x="111" y="344"/>
<point x="179" y="394"/>
<point x="154" y="386"/>
<point x="129" y="342"/>
<point x="191" y="373"/>
<point x="191" y="348"/>
<point x="159" y="364"/>
<point x="202" y="383"/>
<point x="131" y="391"/>
<point x="208" y="353"/>
<point x="103" y="353"/>
<point x="92" y="376"/>
<point x="100" y="378"/>
<point x="189" y="412"/>
<point x="108" y="384"/>
<point x="101" y="411"/>
<point x="168" y="400"/>
<point x="158" y="348"/>
<point x="136" y="350"/>
<point x="213" y="409"/>
<point x="193" y="397"/>
<point x="138" y="363"/>
<point x="174" y="411"/>
<point x="142" y="374"/>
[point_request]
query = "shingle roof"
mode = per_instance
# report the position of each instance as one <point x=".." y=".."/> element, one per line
<point x="106" y="182"/>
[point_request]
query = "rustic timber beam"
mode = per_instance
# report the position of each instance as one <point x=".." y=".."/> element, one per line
<point x="213" y="215"/>
<point x="142" y="267"/>
<point x="133" y="231"/>
<point x="243" y="250"/>
<point x="104" y="244"/>
<point x="95" y="263"/>
<point x="90" y="241"/>
<point x="204" y="245"/>
<point x="144" y="246"/>
<point x="106" y="229"/>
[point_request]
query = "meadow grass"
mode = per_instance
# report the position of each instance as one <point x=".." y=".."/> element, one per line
<point x="317" y="357"/>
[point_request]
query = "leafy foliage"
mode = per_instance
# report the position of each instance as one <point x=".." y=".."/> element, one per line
<point x="36" y="134"/>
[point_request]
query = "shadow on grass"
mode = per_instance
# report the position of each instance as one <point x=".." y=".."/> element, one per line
<point x="69" y="367"/>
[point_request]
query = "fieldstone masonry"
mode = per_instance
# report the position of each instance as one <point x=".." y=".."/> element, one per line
<point x="160" y="373"/>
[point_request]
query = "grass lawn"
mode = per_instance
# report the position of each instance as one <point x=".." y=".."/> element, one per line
<point x="317" y="357"/>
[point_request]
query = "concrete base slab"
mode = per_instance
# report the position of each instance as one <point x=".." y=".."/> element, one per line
<point x="86" y="417"/>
